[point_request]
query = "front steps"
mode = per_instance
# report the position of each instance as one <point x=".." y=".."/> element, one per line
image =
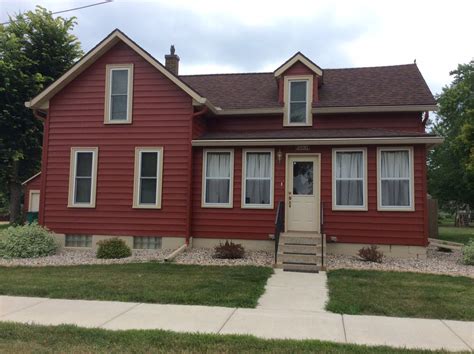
<point x="300" y="252"/>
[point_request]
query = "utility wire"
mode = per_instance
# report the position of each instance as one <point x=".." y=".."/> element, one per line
<point x="76" y="8"/>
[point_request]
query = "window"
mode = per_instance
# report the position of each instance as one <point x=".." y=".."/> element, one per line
<point x="298" y="100"/>
<point x="78" y="241"/>
<point x="257" y="184"/>
<point x="395" y="181"/>
<point x="83" y="177"/>
<point x="119" y="93"/>
<point x="349" y="179"/>
<point x="218" y="172"/>
<point x="146" y="242"/>
<point x="148" y="177"/>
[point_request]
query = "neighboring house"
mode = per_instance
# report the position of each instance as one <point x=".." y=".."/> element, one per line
<point x="133" y="149"/>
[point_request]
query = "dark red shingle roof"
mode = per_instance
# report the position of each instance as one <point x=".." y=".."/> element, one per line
<point x="371" y="86"/>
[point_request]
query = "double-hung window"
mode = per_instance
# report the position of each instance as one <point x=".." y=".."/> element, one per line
<point x="148" y="177"/>
<point x="218" y="175"/>
<point x="119" y="94"/>
<point x="257" y="184"/>
<point x="298" y="100"/>
<point x="395" y="179"/>
<point x="83" y="177"/>
<point x="350" y="179"/>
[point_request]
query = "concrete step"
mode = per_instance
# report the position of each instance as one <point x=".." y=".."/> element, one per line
<point x="307" y="268"/>
<point x="300" y="240"/>
<point x="298" y="258"/>
<point x="289" y="248"/>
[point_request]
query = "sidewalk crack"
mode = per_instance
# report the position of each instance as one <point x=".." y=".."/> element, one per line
<point x="226" y="321"/>
<point x="120" y="314"/>
<point x="25" y="308"/>
<point x="457" y="335"/>
<point x="344" y="328"/>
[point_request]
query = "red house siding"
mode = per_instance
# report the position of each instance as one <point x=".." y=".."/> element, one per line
<point x="404" y="121"/>
<point x="161" y="117"/>
<point x="372" y="226"/>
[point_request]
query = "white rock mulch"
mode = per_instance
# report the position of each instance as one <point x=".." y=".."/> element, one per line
<point x="81" y="257"/>
<point x="191" y="256"/>
<point x="435" y="263"/>
<point x="203" y="256"/>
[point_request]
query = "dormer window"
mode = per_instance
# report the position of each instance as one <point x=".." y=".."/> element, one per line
<point x="119" y="93"/>
<point x="298" y="100"/>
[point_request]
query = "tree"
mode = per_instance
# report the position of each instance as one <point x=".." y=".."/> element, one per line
<point x="35" y="49"/>
<point x="451" y="165"/>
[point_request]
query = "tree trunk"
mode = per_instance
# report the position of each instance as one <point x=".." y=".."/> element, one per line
<point x="15" y="194"/>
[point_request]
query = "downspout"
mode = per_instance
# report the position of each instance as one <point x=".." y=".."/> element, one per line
<point x="190" y="173"/>
<point x="44" y="159"/>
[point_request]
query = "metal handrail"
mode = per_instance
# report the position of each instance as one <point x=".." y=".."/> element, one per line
<point x="321" y="211"/>
<point x="279" y="225"/>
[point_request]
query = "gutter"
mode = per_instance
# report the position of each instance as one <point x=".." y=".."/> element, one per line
<point x="194" y="115"/>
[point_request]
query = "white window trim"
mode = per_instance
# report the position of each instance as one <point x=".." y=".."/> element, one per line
<point x="30" y="195"/>
<point x="136" y="178"/>
<point x="72" y="177"/>
<point x="244" y="179"/>
<point x="231" y="183"/>
<point x="363" y="207"/>
<point x="411" y="207"/>
<point x="309" y="101"/>
<point x="108" y="93"/>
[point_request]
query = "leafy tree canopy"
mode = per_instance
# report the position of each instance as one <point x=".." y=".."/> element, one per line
<point x="35" y="49"/>
<point x="451" y="165"/>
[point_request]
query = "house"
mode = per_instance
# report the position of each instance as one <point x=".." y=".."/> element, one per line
<point x="136" y="150"/>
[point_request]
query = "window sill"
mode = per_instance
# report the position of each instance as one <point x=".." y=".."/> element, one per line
<point x="217" y="206"/>
<point x="81" y="206"/>
<point x="146" y="206"/>
<point x="256" y="206"/>
<point x="118" y="122"/>
<point x="409" y="209"/>
<point x="343" y="208"/>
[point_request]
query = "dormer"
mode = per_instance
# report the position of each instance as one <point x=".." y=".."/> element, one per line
<point x="298" y="80"/>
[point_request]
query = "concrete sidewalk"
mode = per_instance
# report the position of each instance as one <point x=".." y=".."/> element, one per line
<point x="261" y="322"/>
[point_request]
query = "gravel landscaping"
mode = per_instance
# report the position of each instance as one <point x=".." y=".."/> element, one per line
<point x="193" y="256"/>
<point x="435" y="263"/>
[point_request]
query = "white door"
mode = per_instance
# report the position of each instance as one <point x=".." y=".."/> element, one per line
<point x="34" y="201"/>
<point x="302" y="193"/>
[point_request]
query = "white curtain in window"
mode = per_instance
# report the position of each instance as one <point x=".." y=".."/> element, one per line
<point x="349" y="178"/>
<point x="258" y="178"/>
<point x="395" y="178"/>
<point x="218" y="177"/>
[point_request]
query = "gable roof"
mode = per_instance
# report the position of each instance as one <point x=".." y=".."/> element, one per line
<point x="41" y="101"/>
<point x="371" y="88"/>
<point x="298" y="57"/>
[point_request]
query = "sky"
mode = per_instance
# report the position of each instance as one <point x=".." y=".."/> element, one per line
<point x="223" y="36"/>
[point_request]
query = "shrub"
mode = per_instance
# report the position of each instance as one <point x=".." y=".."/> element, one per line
<point x="468" y="253"/>
<point x="229" y="250"/>
<point x="113" y="248"/>
<point x="27" y="241"/>
<point x="371" y="254"/>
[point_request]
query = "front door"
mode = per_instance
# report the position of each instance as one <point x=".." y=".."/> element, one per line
<point x="302" y="191"/>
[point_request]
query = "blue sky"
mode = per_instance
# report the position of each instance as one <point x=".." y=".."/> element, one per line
<point x="249" y="35"/>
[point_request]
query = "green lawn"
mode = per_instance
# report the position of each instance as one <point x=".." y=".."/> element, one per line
<point x="145" y="282"/>
<point x="21" y="338"/>
<point x="456" y="234"/>
<point x="3" y="226"/>
<point x="401" y="294"/>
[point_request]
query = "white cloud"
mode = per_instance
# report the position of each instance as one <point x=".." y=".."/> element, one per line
<point x="252" y="35"/>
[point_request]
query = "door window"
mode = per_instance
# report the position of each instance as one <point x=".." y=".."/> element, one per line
<point x="303" y="178"/>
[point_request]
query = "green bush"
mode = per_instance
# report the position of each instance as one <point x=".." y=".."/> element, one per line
<point x="27" y="241"/>
<point x="468" y="253"/>
<point x="113" y="248"/>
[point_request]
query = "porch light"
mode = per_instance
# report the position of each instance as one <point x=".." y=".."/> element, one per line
<point x="279" y="155"/>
